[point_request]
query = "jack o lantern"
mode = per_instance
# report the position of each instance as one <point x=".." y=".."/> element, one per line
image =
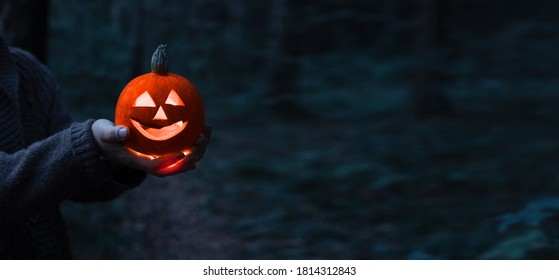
<point x="163" y="112"/>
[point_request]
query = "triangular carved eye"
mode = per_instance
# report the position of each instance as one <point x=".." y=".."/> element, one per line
<point x="174" y="99"/>
<point x="144" y="100"/>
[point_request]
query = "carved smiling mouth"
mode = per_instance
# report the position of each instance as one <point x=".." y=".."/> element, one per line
<point x="160" y="134"/>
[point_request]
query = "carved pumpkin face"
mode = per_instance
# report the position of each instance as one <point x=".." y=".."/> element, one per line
<point x="163" y="113"/>
<point x="161" y="127"/>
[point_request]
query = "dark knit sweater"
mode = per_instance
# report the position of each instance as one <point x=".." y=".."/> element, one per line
<point x="45" y="158"/>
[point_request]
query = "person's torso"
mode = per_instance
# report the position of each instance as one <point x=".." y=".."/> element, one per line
<point x="42" y="234"/>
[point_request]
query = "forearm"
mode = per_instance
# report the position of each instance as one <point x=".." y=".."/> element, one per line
<point x="45" y="172"/>
<point x="118" y="179"/>
<point x="63" y="166"/>
<point x="121" y="179"/>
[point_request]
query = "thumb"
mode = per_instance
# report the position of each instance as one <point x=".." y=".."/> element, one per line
<point x="106" y="131"/>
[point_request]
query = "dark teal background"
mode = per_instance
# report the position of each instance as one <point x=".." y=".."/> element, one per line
<point x="318" y="151"/>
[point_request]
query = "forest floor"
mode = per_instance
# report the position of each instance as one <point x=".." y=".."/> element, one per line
<point x="383" y="188"/>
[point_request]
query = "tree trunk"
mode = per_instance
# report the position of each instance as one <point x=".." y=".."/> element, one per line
<point x="428" y="98"/>
<point x="26" y="25"/>
<point x="282" y="68"/>
<point x="399" y="25"/>
<point x="138" y="53"/>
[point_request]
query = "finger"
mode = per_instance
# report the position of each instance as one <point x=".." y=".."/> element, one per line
<point x="199" y="150"/>
<point x="115" y="134"/>
<point x="176" y="167"/>
<point x="175" y="170"/>
<point x="134" y="159"/>
<point x="130" y="158"/>
<point x="203" y="141"/>
<point x="110" y="133"/>
<point x="193" y="154"/>
<point x="179" y="167"/>
<point x="200" y="146"/>
<point x="122" y="132"/>
<point x="167" y="160"/>
<point x="205" y="136"/>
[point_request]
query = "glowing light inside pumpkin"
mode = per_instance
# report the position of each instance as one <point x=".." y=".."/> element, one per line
<point x="163" y="111"/>
<point x="142" y="155"/>
<point x="163" y="133"/>
<point x="175" y="165"/>
<point x="160" y="134"/>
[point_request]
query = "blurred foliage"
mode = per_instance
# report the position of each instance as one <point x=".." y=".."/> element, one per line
<point x="533" y="214"/>
<point x="357" y="176"/>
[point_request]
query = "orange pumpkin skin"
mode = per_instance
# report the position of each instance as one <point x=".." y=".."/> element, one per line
<point x="163" y="113"/>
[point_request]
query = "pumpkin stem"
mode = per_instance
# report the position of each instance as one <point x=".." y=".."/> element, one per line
<point x="159" y="62"/>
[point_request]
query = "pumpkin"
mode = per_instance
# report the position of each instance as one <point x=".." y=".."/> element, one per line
<point x="163" y="112"/>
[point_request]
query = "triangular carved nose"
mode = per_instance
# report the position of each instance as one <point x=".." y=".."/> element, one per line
<point x="160" y="114"/>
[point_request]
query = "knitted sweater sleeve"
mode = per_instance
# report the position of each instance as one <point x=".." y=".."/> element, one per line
<point x="111" y="178"/>
<point x="65" y="165"/>
<point x="49" y="171"/>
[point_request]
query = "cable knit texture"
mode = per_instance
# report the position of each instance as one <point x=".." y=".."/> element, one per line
<point x="45" y="158"/>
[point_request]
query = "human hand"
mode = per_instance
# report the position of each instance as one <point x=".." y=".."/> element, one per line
<point x="110" y="138"/>
<point x="192" y="155"/>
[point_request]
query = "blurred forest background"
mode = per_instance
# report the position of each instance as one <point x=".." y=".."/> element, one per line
<point x="343" y="129"/>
